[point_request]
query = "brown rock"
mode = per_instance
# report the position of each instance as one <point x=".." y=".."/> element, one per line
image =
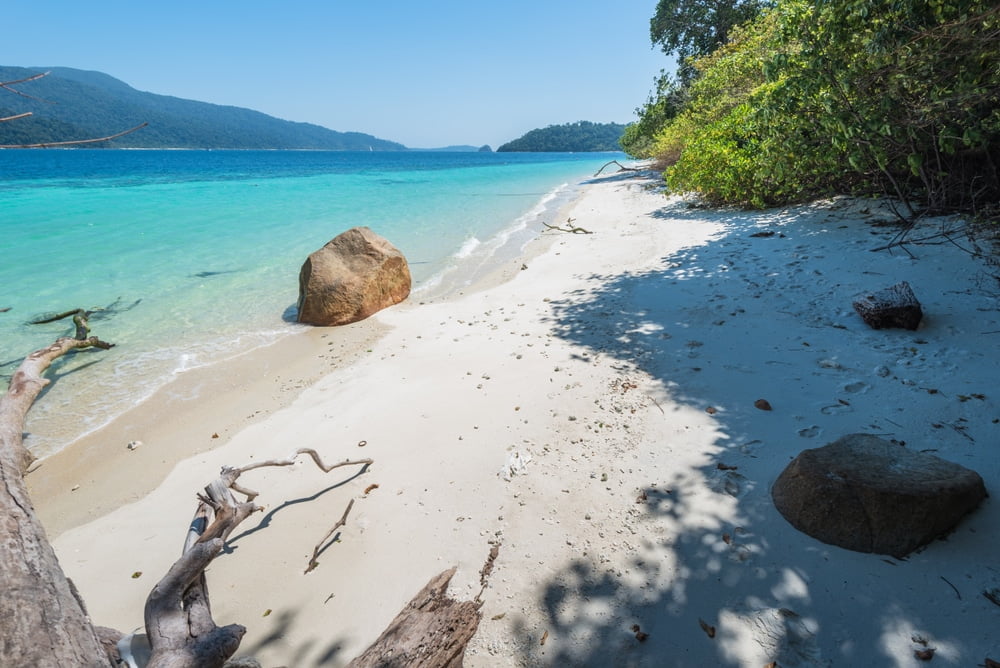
<point x="354" y="275"/>
<point x="866" y="494"/>
<point x="895" y="306"/>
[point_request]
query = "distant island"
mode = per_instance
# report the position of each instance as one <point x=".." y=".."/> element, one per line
<point x="579" y="137"/>
<point x="73" y="104"/>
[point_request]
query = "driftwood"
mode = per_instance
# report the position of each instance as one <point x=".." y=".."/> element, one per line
<point x="895" y="306"/>
<point x="178" y="616"/>
<point x="44" y="620"/>
<point x="621" y="168"/>
<point x="8" y="86"/>
<point x="75" y="142"/>
<point x="316" y="550"/>
<point x="570" y="228"/>
<point x="46" y="623"/>
<point x="431" y="631"/>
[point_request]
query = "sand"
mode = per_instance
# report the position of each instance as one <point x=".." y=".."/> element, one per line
<point x="575" y="409"/>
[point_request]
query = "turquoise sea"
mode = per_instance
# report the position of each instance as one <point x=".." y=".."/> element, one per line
<point x="203" y="248"/>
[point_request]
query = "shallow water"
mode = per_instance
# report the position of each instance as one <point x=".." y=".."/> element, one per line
<point x="197" y="253"/>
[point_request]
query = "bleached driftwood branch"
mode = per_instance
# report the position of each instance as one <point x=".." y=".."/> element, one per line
<point x="178" y="616"/>
<point x="76" y="142"/>
<point x="621" y="167"/>
<point x="570" y="228"/>
<point x="9" y="87"/>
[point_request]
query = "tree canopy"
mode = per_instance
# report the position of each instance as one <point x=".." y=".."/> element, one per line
<point x="687" y="28"/>
<point x="878" y="96"/>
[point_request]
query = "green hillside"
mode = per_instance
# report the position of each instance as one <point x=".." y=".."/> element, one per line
<point x="71" y="104"/>
<point x="579" y="137"/>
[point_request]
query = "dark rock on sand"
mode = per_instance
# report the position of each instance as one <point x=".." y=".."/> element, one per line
<point x="866" y="494"/>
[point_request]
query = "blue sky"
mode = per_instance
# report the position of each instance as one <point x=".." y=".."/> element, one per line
<point x="425" y="74"/>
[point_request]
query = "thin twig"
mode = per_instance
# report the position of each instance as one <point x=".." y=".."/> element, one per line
<point x="6" y="85"/>
<point x="341" y="522"/>
<point x="75" y="142"/>
<point x="952" y="586"/>
<point x="15" y="117"/>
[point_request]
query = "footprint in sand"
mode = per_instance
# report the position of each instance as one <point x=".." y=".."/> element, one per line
<point x="729" y="482"/>
<point x="856" y="387"/>
<point x="836" y="409"/>
<point x="810" y="432"/>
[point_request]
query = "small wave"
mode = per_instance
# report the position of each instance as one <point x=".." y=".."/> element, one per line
<point x="80" y="404"/>
<point x="469" y="246"/>
<point x="475" y="258"/>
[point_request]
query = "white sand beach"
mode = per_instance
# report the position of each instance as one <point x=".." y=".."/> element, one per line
<point x="618" y="370"/>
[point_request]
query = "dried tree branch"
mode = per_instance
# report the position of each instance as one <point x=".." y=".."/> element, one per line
<point x="76" y="142"/>
<point x="316" y="550"/>
<point x="7" y="86"/>
<point x="570" y="228"/>
<point x="33" y="77"/>
<point x="621" y="167"/>
<point x="182" y="633"/>
<point x="14" y="118"/>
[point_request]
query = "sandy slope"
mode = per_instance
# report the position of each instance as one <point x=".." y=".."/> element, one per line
<point x="597" y="363"/>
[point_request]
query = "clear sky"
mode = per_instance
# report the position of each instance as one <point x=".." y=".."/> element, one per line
<point x="426" y="74"/>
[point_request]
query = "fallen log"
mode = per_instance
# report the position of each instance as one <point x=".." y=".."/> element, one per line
<point x="431" y="631"/>
<point x="44" y="620"/>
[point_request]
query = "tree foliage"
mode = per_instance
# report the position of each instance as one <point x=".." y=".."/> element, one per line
<point x="894" y="96"/>
<point x="581" y="137"/>
<point x="687" y="28"/>
<point x="663" y="104"/>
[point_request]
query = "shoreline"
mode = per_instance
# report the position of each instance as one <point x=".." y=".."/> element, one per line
<point x="97" y="472"/>
<point x="613" y="380"/>
<point x="173" y="311"/>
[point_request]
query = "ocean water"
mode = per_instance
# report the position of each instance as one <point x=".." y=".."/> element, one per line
<point x="203" y="249"/>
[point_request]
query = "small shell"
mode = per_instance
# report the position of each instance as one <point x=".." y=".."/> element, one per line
<point x="132" y="445"/>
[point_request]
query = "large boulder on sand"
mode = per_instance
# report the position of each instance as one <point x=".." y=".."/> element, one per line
<point x="869" y="495"/>
<point x="354" y="275"/>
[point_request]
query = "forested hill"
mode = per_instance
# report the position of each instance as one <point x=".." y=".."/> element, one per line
<point x="71" y="104"/>
<point x="579" y="137"/>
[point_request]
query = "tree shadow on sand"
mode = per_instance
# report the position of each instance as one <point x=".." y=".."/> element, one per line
<point x="715" y="576"/>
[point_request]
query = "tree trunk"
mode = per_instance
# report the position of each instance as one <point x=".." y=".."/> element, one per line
<point x="431" y="631"/>
<point x="44" y="620"/>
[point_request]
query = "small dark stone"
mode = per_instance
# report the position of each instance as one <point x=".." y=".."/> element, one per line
<point x="895" y="306"/>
